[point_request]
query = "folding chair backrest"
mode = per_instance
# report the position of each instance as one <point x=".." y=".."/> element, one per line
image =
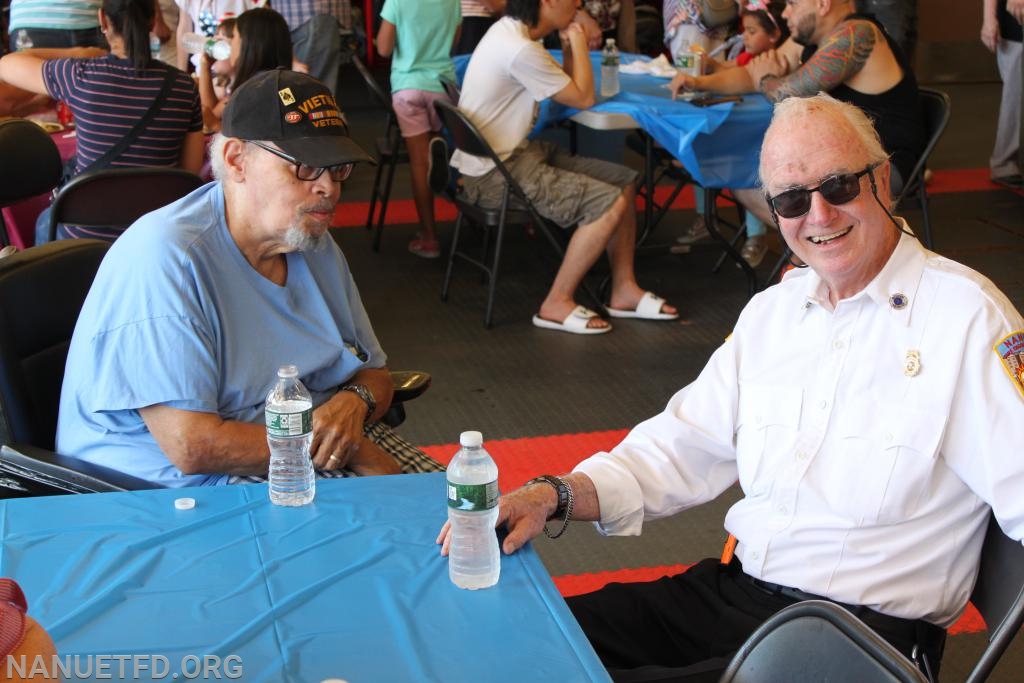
<point x="935" y="108"/>
<point x="998" y="595"/>
<point x="30" y="165"/>
<point x="41" y="293"/>
<point x="115" y="198"/>
<point x="468" y="138"/>
<point x="376" y="91"/>
<point x="818" y="640"/>
<point x="31" y="162"/>
<point x="451" y="88"/>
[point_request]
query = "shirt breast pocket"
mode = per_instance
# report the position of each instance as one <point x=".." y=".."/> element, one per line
<point x="887" y="458"/>
<point x="766" y="429"/>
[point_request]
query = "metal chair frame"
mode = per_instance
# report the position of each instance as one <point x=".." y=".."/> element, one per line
<point x="391" y="151"/>
<point x="935" y="106"/>
<point x="515" y="209"/>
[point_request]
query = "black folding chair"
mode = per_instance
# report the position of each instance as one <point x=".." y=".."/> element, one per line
<point x="935" y="107"/>
<point x="999" y="596"/>
<point x="108" y="201"/>
<point x="817" y="640"/>
<point x="515" y="209"/>
<point x="31" y="165"/>
<point x="862" y="655"/>
<point x="41" y="293"/>
<point x="391" y="151"/>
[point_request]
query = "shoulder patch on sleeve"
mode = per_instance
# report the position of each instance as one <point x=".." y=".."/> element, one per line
<point x="1010" y="350"/>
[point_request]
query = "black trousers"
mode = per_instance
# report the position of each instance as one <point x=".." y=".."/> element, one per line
<point x="686" y="627"/>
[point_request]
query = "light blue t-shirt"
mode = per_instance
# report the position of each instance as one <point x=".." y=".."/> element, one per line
<point x="177" y="316"/>
<point x="424" y="33"/>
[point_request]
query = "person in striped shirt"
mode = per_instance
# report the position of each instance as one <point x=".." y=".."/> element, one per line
<point x="109" y="93"/>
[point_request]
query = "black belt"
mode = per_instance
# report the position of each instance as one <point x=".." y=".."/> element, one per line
<point x="925" y="635"/>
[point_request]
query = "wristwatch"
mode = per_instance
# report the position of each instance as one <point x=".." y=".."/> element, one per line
<point x="561" y="488"/>
<point x="363" y="392"/>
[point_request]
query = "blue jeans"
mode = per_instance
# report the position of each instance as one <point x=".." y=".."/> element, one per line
<point x="317" y="44"/>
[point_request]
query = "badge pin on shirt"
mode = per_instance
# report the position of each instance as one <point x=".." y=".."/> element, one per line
<point x="912" y="363"/>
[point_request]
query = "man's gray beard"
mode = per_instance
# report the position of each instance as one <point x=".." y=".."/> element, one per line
<point x="298" y="239"/>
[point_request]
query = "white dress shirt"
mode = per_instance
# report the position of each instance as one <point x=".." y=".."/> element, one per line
<point x="865" y="481"/>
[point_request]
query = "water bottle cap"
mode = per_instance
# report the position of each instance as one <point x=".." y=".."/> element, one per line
<point x="184" y="503"/>
<point x="288" y="371"/>
<point x="471" y="439"/>
<point x="609" y="42"/>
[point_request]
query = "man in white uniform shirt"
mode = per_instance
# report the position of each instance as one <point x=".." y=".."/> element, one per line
<point x="866" y="406"/>
<point x="509" y="73"/>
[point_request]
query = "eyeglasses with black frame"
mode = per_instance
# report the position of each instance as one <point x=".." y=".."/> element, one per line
<point x="837" y="190"/>
<point x="339" y="173"/>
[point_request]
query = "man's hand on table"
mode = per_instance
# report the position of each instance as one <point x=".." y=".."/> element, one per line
<point x="682" y="82"/>
<point x="337" y="431"/>
<point x="523" y="512"/>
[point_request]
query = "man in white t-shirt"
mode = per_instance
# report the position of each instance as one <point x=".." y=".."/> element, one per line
<point x="509" y="73"/>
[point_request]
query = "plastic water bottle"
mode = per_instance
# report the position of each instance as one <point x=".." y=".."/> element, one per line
<point x="154" y="46"/>
<point x="610" y="69"/>
<point x="289" y="416"/>
<point x="195" y="44"/>
<point x="689" y="60"/>
<point x="473" y="557"/>
<point x="23" y="41"/>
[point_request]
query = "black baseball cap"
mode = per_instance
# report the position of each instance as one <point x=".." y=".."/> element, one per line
<point x="297" y="113"/>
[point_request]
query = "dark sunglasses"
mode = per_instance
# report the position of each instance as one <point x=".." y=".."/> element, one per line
<point x="837" y="190"/>
<point x="338" y="173"/>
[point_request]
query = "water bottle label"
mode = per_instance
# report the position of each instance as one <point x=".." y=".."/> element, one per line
<point x="473" y="497"/>
<point x="289" y="424"/>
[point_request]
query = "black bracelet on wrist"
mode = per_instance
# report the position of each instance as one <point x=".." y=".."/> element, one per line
<point x="564" y="506"/>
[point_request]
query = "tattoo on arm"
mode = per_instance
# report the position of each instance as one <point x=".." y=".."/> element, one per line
<point x="841" y="56"/>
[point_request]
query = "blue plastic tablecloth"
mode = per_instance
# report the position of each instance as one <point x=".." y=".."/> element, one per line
<point x="719" y="145"/>
<point x="350" y="587"/>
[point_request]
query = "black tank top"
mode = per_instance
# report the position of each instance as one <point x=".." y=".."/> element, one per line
<point x="896" y="112"/>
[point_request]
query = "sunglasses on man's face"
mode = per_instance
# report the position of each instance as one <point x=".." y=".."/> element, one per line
<point x="338" y="173"/>
<point x="837" y="190"/>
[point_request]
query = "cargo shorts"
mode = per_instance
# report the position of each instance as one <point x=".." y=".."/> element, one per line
<point x="565" y="189"/>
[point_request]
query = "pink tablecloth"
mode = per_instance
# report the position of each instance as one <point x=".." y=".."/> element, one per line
<point x="20" y="218"/>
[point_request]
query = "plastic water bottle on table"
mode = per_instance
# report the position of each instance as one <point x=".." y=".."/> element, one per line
<point x="610" y="69"/>
<point x="474" y="560"/>
<point x="289" y="418"/>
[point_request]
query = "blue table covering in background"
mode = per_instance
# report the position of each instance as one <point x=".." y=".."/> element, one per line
<point x="350" y="587"/>
<point x="719" y="145"/>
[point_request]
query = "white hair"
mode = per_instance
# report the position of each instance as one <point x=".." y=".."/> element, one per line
<point x="217" y="156"/>
<point x="796" y="107"/>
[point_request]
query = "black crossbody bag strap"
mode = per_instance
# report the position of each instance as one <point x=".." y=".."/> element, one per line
<point x="132" y="135"/>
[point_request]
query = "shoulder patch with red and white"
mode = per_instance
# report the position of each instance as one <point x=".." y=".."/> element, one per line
<point x="1010" y="350"/>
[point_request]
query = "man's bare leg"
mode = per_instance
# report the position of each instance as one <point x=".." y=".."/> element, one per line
<point x="614" y="231"/>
